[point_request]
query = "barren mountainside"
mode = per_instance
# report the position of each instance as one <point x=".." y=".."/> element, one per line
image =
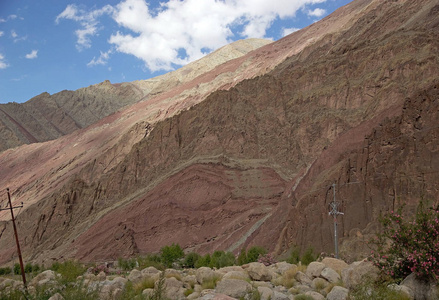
<point x="246" y="153"/>
<point x="47" y="117"/>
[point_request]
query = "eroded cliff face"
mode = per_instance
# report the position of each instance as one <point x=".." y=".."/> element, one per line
<point x="254" y="164"/>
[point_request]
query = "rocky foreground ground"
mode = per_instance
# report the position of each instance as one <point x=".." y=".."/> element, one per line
<point x="331" y="279"/>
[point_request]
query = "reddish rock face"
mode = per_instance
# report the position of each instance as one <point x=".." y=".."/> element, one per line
<point x="254" y="164"/>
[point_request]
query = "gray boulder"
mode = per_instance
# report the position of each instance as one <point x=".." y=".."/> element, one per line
<point x="235" y="288"/>
<point x="338" y="293"/>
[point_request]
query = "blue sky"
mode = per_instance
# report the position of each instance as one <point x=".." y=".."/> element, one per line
<point x="53" y="45"/>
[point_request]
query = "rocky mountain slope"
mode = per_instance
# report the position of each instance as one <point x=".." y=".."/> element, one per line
<point x="47" y="117"/>
<point x="246" y="153"/>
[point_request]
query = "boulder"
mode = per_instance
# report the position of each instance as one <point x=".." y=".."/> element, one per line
<point x="330" y="275"/>
<point x="421" y="289"/>
<point x="235" y="288"/>
<point x="319" y="283"/>
<point x="303" y="279"/>
<point x="237" y="275"/>
<point x="173" y="288"/>
<point x="259" y="272"/>
<point x="338" y="293"/>
<point x="190" y="280"/>
<point x="57" y="296"/>
<point x="279" y="296"/>
<point x="193" y="296"/>
<point x="282" y="267"/>
<point x="315" y="295"/>
<point x="337" y="265"/>
<point x="135" y="276"/>
<point x="101" y="276"/>
<point x="265" y="292"/>
<point x="301" y="288"/>
<point x="402" y="289"/>
<point x="314" y="269"/>
<point x="358" y="272"/>
<point x="205" y="274"/>
<point x="148" y="293"/>
<point x="46" y="277"/>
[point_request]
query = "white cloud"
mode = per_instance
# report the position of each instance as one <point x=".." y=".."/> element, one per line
<point x="180" y="31"/>
<point x="14" y="34"/>
<point x="1" y="33"/>
<point x="88" y="21"/>
<point x="32" y="55"/>
<point x="101" y="60"/>
<point x="287" y="31"/>
<point x="318" y="12"/>
<point x="3" y="64"/>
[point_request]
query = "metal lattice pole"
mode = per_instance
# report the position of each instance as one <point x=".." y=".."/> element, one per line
<point x="334" y="213"/>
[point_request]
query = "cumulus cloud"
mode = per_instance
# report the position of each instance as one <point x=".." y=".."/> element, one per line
<point x="318" y="12"/>
<point x="177" y="32"/>
<point x="287" y="31"/>
<point x="14" y="34"/>
<point x="32" y="55"/>
<point x="1" y="33"/>
<point x="182" y="31"/>
<point x="88" y="21"/>
<point x="3" y="64"/>
<point x="101" y="60"/>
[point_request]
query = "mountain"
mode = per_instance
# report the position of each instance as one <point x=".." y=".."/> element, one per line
<point x="47" y="117"/>
<point x="247" y="152"/>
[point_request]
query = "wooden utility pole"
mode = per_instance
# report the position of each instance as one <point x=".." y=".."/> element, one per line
<point x="11" y="208"/>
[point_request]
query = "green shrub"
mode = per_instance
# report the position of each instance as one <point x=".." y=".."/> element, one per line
<point x="242" y="258"/>
<point x="308" y="257"/>
<point x="251" y="255"/>
<point x="203" y="261"/>
<point x="222" y="259"/>
<point x="69" y="270"/>
<point x="408" y="246"/>
<point x="170" y="254"/>
<point x="190" y="260"/>
<point x="254" y="252"/>
<point x="5" y="271"/>
<point x="151" y="260"/>
<point x="294" y="256"/>
<point x="127" y="264"/>
<point x="17" y="269"/>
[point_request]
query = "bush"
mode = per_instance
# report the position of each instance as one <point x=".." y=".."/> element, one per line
<point x="405" y="247"/>
<point x="251" y="255"/>
<point x="170" y="254"/>
<point x="254" y="252"/>
<point x="17" y="269"/>
<point x="294" y="256"/>
<point x="5" y="271"/>
<point x="203" y="261"/>
<point x="151" y="260"/>
<point x="308" y="257"/>
<point x="69" y="270"/>
<point x="222" y="259"/>
<point x="127" y="264"/>
<point x="190" y="260"/>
